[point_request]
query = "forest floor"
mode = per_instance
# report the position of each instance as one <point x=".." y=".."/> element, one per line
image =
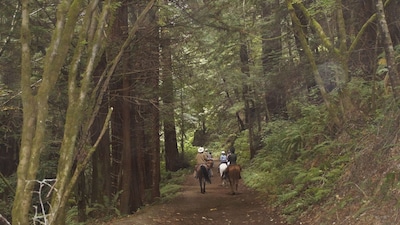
<point x="216" y="206"/>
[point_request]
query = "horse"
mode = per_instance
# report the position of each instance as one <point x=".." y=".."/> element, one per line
<point x="203" y="175"/>
<point x="221" y="170"/>
<point x="233" y="175"/>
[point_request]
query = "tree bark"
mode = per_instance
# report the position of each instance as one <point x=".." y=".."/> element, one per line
<point x="168" y="110"/>
<point x="22" y="199"/>
<point x="101" y="161"/>
<point x="79" y="83"/>
<point x="35" y="107"/>
<point x="84" y="100"/>
<point x="249" y="103"/>
<point x="120" y="27"/>
<point x="389" y="51"/>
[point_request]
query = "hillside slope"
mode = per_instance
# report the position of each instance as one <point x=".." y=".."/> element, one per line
<point x="368" y="191"/>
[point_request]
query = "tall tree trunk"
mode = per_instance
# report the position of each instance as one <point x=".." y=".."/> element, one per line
<point x="125" y="206"/>
<point x="101" y="161"/>
<point x="23" y="196"/>
<point x="248" y="98"/>
<point x="145" y="120"/>
<point x="81" y="100"/>
<point x="35" y="107"/>
<point x="153" y="120"/>
<point x="120" y="29"/>
<point x="138" y="182"/>
<point x="168" y="111"/>
<point x="101" y="174"/>
<point x="81" y="198"/>
<point x="389" y="51"/>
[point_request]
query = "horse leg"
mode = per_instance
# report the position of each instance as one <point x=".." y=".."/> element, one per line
<point x="237" y="185"/>
<point x="201" y="184"/>
<point x="203" y="188"/>
<point x="231" y="184"/>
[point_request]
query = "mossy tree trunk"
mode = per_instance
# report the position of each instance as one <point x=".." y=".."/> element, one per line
<point x="298" y="29"/>
<point x="340" y="54"/>
<point x="35" y="105"/>
<point x="82" y="104"/>
<point x="86" y="26"/>
<point x="389" y="51"/>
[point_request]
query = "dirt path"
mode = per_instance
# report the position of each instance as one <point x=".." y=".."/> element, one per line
<point x="216" y="206"/>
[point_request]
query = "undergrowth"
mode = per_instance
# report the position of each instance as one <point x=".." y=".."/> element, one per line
<point x="171" y="184"/>
<point x="304" y="159"/>
<point x="299" y="163"/>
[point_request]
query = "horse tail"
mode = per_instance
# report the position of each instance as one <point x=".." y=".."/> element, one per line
<point x="205" y="174"/>
<point x="233" y="177"/>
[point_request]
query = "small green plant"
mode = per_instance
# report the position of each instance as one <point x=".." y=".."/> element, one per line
<point x="72" y="214"/>
<point x="107" y="209"/>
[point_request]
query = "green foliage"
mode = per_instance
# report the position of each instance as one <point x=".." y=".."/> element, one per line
<point x="299" y="163"/>
<point x="242" y="148"/>
<point x="7" y="195"/>
<point x="364" y="93"/>
<point x="169" y="191"/>
<point x="108" y="209"/>
<point x="71" y="216"/>
<point x="170" y="184"/>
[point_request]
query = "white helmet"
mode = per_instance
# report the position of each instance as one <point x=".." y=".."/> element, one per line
<point x="200" y="150"/>
<point x="223" y="152"/>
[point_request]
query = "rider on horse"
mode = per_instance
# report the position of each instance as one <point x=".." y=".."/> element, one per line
<point x="201" y="159"/>
<point x="223" y="159"/>
<point x="232" y="157"/>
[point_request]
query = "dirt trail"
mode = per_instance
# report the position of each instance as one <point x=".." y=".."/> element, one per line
<point x="216" y="206"/>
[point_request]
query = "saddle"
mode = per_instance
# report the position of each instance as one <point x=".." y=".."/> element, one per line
<point x="198" y="166"/>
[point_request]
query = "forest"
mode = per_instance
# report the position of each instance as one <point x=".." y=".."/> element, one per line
<point x="103" y="104"/>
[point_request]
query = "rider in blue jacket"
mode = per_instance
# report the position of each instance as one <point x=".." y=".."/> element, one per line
<point x="223" y="158"/>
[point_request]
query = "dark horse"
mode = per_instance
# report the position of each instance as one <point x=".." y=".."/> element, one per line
<point x="203" y="175"/>
<point x="232" y="172"/>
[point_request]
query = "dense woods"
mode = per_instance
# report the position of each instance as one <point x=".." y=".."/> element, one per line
<point x="103" y="101"/>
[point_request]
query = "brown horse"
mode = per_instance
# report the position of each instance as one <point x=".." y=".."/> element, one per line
<point x="233" y="175"/>
<point x="203" y="175"/>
